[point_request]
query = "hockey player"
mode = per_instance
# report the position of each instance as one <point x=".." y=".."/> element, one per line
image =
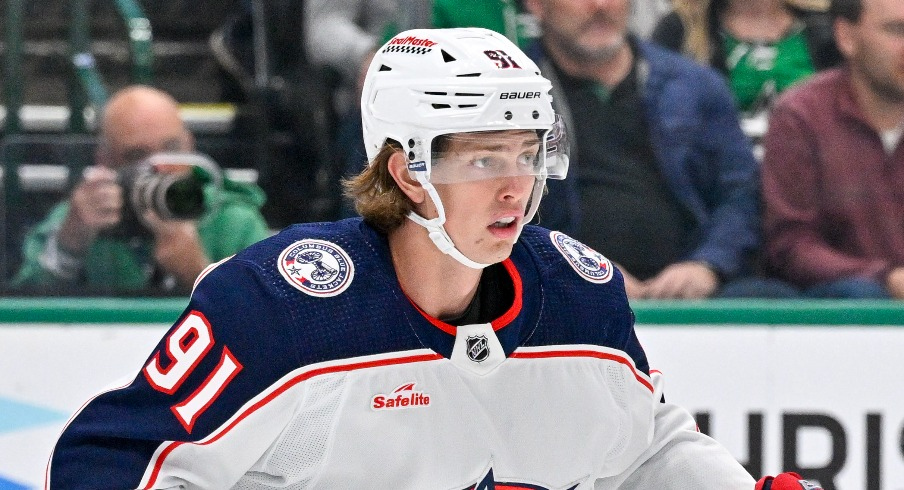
<point x="439" y="343"/>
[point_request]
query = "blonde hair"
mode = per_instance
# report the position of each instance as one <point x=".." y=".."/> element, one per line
<point x="377" y="196"/>
<point x="694" y="16"/>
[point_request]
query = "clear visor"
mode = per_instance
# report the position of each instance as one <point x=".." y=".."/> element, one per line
<point x="467" y="157"/>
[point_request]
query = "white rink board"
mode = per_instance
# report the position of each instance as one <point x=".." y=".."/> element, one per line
<point x="59" y="367"/>
<point x="836" y="373"/>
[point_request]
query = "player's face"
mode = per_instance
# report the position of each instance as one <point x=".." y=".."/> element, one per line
<point x="588" y="30"/>
<point x="483" y="217"/>
<point x="875" y="47"/>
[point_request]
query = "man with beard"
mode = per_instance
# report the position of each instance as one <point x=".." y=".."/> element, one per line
<point x="665" y="180"/>
<point x="833" y="170"/>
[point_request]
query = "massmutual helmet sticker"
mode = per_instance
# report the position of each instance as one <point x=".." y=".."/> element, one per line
<point x="589" y="263"/>
<point x="316" y="267"/>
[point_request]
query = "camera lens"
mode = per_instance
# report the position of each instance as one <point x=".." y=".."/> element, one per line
<point x="170" y="196"/>
<point x="184" y="198"/>
<point x="172" y="185"/>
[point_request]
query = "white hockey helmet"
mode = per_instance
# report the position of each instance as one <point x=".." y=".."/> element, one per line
<point x="425" y="83"/>
<point x="428" y="82"/>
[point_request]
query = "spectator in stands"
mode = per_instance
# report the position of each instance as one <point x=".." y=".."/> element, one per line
<point x="343" y="34"/>
<point x="77" y="249"/>
<point x="285" y="108"/>
<point x="761" y="46"/>
<point x="663" y="181"/>
<point x="833" y="170"/>
<point x="510" y="18"/>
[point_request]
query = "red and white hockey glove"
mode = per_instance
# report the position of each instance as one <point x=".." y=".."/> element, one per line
<point x="785" y="481"/>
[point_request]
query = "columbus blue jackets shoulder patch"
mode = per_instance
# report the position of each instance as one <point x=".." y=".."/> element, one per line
<point x="316" y="267"/>
<point x="588" y="263"/>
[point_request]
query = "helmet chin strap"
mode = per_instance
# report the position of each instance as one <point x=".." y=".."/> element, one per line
<point x="535" y="196"/>
<point x="443" y="241"/>
<point x="435" y="229"/>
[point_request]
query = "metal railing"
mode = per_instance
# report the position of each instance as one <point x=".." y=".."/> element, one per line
<point x="85" y="84"/>
<point x="140" y="37"/>
<point x="13" y="84"/>
<point x="88" y="86"/>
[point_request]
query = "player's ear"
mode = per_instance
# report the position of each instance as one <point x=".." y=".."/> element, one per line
<point x="398" y="169"/>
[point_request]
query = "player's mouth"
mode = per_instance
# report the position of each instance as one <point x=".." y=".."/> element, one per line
<point x="506" y="222"/>
<point x="505" y="227"/>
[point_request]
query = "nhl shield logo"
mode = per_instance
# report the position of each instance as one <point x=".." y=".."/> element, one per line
<point x="478" y="348"/>
<point x="589" y="264"/>
<point x="316" y="267"/>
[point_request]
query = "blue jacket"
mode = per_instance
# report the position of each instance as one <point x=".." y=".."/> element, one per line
<point x="701" y="150"/>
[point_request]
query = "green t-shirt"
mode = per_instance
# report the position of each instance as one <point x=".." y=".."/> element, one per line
<point x="759" y="71"/>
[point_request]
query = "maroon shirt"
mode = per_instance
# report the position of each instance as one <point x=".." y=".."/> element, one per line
<point x="834" y="199"/>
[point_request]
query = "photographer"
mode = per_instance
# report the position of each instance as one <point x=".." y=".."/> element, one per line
<point x="100" y="241"/>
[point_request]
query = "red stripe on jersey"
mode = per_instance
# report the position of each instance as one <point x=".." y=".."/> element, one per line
<point x="498" y="323"/>
<point x="584" y="353"/>
<point x="280" y="390"/>
<point x="512" y="312"/>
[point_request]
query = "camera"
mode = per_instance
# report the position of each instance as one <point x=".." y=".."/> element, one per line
<point x="172" y="185"/>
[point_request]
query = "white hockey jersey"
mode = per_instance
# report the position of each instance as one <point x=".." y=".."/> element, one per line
<point x="300" y="363"/>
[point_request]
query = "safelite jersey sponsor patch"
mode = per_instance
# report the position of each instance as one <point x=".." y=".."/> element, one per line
<point x="405" y="396"/>
<point x="589" y="264"/>
<point x="316" y="267"/>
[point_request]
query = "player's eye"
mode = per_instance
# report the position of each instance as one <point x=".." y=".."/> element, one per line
<point x="528" y="159"/>
<point x="484" y="162"/>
